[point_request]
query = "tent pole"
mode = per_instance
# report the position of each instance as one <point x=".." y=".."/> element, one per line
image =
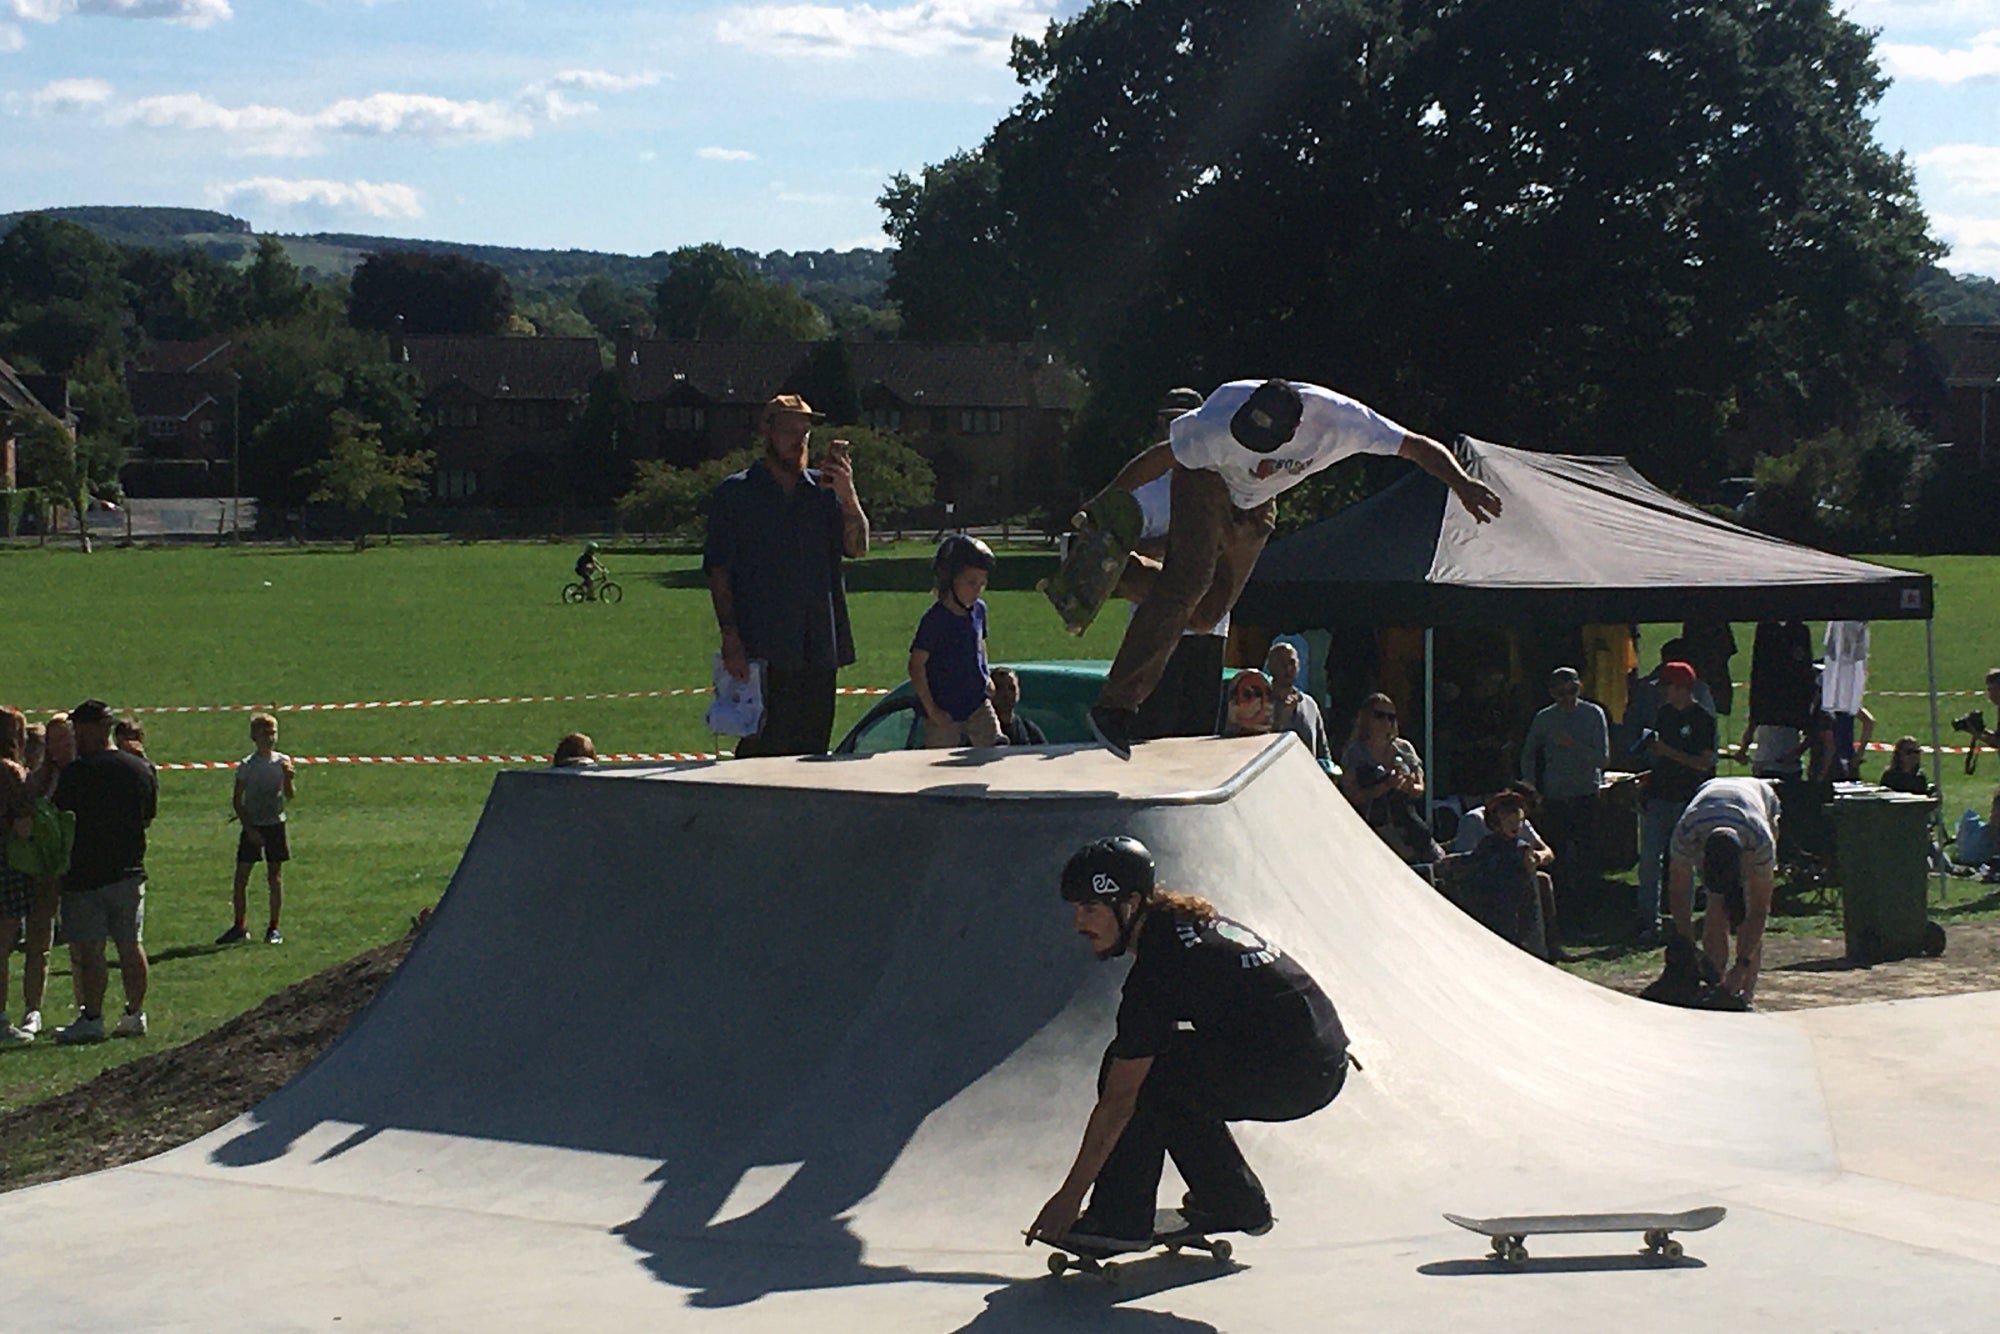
<point x="1937" y="755"/>
<point x="1430" y="726"/>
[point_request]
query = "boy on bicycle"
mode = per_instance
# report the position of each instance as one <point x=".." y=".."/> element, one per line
<point x="590" y="570"/>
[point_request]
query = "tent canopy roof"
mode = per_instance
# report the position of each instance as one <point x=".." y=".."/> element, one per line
<point x="1583" y="539"/>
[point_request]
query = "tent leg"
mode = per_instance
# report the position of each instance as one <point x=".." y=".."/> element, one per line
<point x="1937" y="750"/>
<point x="1430" y="726"/>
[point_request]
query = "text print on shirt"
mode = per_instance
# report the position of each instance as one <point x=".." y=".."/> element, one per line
<point x="1257" y="952"/>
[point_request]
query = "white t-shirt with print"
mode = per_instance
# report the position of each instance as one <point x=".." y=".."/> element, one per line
<point x="1332" y="427"/>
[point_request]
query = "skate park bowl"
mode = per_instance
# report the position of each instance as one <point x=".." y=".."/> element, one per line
<point x="796" y="1044"/>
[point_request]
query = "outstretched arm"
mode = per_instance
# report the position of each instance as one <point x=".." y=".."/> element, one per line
<point x="1479" y="499"/>
<point x="1107" y="1122"/>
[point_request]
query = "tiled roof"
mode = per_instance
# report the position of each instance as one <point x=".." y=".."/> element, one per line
<point x="656" y="369"/>
<point x="157" y="394"/>
<point x="988" y="375"/>
<point x="1971" y="354"/>
<point x="501" y="367"/>
<point x="15" y="396"/>
<point x="208" y="354"/>
<point x="51" y="391"/>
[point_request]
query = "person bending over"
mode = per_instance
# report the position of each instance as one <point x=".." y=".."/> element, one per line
<point x="1731" y="830"/>
<point x="1217" y="1024"/>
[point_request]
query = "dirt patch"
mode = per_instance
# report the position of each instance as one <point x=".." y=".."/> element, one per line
<point x="157" y="1102"/>
<point x="1801" y="972"/>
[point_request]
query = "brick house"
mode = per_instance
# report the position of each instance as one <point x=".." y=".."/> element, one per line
<point x="502" y="413"/>
<point x="1971" y="357"/>
<point x="991" y="418"/>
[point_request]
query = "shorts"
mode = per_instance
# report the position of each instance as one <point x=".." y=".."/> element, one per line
<point x="980" y="728"/>
<point x="17" y="892"/>
<point x="277" y="849"/>
<point x="116" y="911"/>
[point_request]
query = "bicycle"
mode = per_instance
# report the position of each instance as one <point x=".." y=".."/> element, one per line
<point x="606" y="591"/>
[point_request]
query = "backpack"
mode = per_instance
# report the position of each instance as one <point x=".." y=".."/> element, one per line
<point x="46" y="850"/>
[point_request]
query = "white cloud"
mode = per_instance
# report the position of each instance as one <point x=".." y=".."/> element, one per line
<point x="983" y="29"/>
<point x="1977" y="63"/>
<point x="1924" y="14"/>
<point x="726" y="154"/>
<point x="60" y="95"/>
<point x="1963" y="168"/>
<point x="193" y="13"/>
<point x="604" y="81"/>
<point x="1974" y="241"/>
<point x="11" y="39"/>
<point x="373" y="199"/>
<point x="282" y="132"/>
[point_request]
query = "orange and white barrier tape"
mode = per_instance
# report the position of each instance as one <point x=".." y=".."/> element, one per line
<point x="443" y="703"/>
<point x="663" y="757"/>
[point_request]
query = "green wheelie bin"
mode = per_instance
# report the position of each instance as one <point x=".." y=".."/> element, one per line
<point x="1881" y="849"/>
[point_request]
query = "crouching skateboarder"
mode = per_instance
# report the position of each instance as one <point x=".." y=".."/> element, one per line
<point x="1262" y="1043"/>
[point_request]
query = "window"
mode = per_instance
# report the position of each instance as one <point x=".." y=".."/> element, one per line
<point x="685" y="417"/>
<point x="979" y="421"/>
<point x="162" y="428"/>
<point x="883" y="419"/>
<point x="457" y="483"/>
<point x="456" y="415"/>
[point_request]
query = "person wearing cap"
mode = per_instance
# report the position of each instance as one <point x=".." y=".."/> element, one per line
<point x="113" y="795"/>
<point x="1683" y="749"/>
<point x="777" y="533"/>
<point x="1564" y="755"/>
<point x="1188" y="699"/>
<point x="1216" y="1024"/>
<point x="1230" y="460"/>
<point x="1729" y="830"/>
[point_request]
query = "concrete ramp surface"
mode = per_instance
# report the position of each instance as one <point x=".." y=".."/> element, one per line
<point x="804" y="1044"/>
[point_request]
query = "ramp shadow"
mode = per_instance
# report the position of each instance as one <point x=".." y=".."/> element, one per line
<point x="1555" y="1264"/>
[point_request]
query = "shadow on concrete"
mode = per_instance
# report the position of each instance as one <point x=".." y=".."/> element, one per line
<point x="1555" y="1264"/>
<point x="1084" y="1302"/>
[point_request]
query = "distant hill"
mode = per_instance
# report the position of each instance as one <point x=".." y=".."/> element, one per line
<point x="1960" y="299"/>
<point x="857" y="275"/>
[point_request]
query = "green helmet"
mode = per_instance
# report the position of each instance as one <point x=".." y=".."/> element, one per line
<point x="590" y="546"/>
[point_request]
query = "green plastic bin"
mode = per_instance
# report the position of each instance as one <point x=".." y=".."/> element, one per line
<point x="1881" y="846"/>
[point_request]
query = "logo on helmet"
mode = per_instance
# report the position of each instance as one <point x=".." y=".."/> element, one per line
<point x="1104" y="884"/>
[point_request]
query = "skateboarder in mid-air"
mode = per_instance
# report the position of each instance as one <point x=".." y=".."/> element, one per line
<point x="1263" y="1044"/>
<point x="1230" y="460"/>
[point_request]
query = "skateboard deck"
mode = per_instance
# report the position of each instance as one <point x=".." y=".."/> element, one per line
<point x="1095" y="561"/>
<point x="1170" y="1233"/>
<point x="1509" y="1234"/>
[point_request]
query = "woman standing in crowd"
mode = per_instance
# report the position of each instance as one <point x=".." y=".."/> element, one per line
<point x="17" y="888"/>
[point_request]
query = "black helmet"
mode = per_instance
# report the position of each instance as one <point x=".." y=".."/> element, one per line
<point x="957" y="552"/>
<point x="1108" y="870"/>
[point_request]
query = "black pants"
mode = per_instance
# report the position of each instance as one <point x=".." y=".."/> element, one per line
<point x="1570" y="826"/>
<point x="1188" y="700"/>
<point x="798" y="714"/>
<point x="1194" y="1089"/>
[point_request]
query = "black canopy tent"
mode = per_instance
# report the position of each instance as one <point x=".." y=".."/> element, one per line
<point x="1583" y="539"/>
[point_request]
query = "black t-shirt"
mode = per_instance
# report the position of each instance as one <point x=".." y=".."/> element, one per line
<point x="1691" y="731"/>
<point x="1227" y="982"/>
<point x="114" y="795"/>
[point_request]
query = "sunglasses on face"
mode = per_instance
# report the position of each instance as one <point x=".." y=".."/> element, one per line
<point x="1252" y="692"/>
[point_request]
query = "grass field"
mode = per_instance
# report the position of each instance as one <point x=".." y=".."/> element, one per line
<point x="426" y="620"/>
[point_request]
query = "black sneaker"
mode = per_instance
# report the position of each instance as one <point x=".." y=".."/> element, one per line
<point x="273" y="937"/>
<point x="1087" y="1235"/>
<point x="1204" y="1221"/>
<point x="235" y="935"/>
<point x="1114" y="728"/>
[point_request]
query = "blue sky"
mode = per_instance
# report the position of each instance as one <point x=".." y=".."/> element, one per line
<point x="639" y="127"/>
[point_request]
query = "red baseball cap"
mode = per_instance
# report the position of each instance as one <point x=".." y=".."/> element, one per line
<point x="1676" y="674"/>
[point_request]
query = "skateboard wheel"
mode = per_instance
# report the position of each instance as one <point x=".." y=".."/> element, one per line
<point x="1516" y="1253"/>
<point x="1655" y="1240"/>
<point x="1222" y="1251"/>
<point x="1058" y="1263"/>
<point x="1673" y="1250"/>
<point x="1109" y="1272"/>
<point x="1173" y="1248"/>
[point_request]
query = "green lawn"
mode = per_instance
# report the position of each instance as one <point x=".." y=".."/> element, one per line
<point x="424" y="620"/>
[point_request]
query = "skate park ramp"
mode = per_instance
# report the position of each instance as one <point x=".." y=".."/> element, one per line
<point x="804" y="1044"/>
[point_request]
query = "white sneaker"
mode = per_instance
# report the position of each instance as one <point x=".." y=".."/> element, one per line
<point x="11" y="1036"/>
<point x="130" y="1026"/>
<point x="83" y="1030"/>
<point x="31" y="1022"/>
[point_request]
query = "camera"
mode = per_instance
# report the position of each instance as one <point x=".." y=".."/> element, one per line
<point x="1972" y="724"/>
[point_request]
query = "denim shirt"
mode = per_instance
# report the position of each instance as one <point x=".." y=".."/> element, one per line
<point x="783" y="554"/>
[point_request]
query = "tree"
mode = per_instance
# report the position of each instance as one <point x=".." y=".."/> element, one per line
<point x="183" y="294"/>
<point x="611" y="307"/>
<point x="61" y="297"/>
<point x="1592" y="224"/>
<point x="433" y="294"/>
<point x="275" y="290"/>
<point x="361" y="476"/>
<point x="707" y="292"/>
<point x="829" y="382"/>
<point x="669" y="500"/>
<point x="69" y="471"/>
<point x="890" y="477"/>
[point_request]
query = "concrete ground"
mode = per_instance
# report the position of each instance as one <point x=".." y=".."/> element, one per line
<point x="790" y="1044"/>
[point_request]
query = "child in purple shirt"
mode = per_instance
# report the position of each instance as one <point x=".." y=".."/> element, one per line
<point x="948" y="655"/>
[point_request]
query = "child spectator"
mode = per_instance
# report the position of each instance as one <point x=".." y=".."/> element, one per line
<point x="1979" y="842"/>
<point x="1019" y="731"/>
<point x="17" y="888"/>
<point x="948" y="655"/>
<point x="575" y="751"/>
<point x="263" y="786"/>
<point x="1506" y="878"/>
<point x="1906" y="769"/>
<point x="1248" y="710"/>
<point x="35" y="748"/>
